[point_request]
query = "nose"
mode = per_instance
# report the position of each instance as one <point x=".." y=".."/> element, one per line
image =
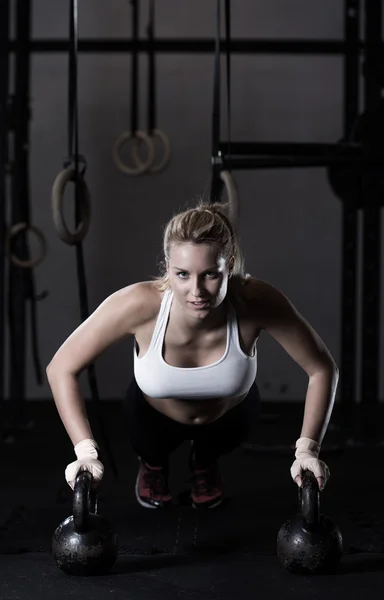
<point x="197" y="288"/>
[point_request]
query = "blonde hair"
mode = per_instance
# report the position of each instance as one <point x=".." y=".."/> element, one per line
<point x="204" y="224"/>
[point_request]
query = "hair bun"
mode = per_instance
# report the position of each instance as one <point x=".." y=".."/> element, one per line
<point x="220" y="208"/>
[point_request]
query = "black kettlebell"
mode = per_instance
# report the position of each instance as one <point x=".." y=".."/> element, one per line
<point x="309" y="543"/>
<point x="84" y="543"/>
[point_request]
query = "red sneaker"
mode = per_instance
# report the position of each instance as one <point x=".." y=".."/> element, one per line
<point x="207" y="490"/>
<point x="152" y="486"/>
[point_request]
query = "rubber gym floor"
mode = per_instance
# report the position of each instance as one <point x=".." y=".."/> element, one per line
<point x="225" y="553"/>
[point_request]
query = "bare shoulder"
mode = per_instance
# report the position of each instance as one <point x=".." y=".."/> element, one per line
<point x="276" y="314"/>
<point x="136" y="304"/>
<point x="120" y="315"/>
<point x="267" y="301"/>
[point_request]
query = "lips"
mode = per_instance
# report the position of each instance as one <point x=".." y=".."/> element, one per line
<point x="200" y="304"/>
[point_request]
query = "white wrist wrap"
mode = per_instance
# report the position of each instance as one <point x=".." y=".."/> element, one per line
<point x="307" y="446"/>
<point x="86" y="449"/>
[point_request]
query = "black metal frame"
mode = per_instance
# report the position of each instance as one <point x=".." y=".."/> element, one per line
<point x="245" y="155"/>
<point x="196" y="46"/>
<point x="19" y="282"/>
<point x="371" y="275"/>
<point x="349" y="231"/>
<point x="4" y="91"/>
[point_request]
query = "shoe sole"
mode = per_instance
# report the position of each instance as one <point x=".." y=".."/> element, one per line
<point x="140" y="500"/>
<point x="204" y="506"/>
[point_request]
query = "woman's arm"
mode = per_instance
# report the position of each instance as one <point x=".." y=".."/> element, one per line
<point x="116" y="318"/>
<point x="319" y="402"/>
<point x="284" y="323"/>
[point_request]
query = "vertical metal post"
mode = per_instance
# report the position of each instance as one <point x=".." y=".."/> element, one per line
<point x="19" y="213"/>
<point x="371" y="242"/>
<point x="216" y="158"/>
<point x="347" y="388"/>
<point x="4" y="87"/>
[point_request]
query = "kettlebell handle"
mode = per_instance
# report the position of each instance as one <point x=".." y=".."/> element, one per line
<point x="84" y="501"/>
<point x="309" y="499"/>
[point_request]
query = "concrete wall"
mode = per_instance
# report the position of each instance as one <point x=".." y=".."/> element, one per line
<point x="290" y="221"/>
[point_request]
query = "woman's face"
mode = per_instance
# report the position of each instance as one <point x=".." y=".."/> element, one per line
<point x="198" y="276"/>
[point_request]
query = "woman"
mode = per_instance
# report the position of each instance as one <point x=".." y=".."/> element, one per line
<point x="195" y="329"/>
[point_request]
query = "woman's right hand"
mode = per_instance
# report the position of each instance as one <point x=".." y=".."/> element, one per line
<point x="87" y="460"/>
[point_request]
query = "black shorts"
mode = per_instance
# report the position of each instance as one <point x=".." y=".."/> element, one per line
<point x="154" y="436"/>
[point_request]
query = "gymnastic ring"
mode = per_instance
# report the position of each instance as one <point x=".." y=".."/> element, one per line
<point x="70" y="237"/>
<point x="13" y="231"/>
<point x="155" y="168"/>
<point x="117" y="146"/>
<point x="233" y="197"/>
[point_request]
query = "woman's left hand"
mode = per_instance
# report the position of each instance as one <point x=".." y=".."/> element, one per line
<point x="307" y="452"/>
<point x="318" y="468"/>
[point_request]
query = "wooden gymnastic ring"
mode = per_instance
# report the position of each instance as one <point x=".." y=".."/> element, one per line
<point x="143" y="166"/>
<point x="70" y="237"/>
<point x="157" y="167"/>
<point x="13" y="231"/>
<point x="233" y="197"/>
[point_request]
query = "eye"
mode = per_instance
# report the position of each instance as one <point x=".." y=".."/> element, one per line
<point x="212" y="274"/>
<point x="182" y="274"/>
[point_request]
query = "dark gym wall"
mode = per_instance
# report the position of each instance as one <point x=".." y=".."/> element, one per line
<point x="290" y="220"/>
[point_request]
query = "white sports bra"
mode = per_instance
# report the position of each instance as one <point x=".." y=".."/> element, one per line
<point x="230" y="376"/>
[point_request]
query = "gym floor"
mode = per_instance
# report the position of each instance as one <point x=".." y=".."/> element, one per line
<point x="183" y="553"/>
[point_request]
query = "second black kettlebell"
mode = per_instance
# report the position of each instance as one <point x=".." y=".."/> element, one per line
<point x="84" y="543"/>
<point x="309" y="543"/>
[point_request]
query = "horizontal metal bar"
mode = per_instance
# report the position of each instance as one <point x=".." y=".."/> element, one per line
<point x="291" y="149"/>
<point x="282" y="162"/>
<point x="192" y="45"/>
